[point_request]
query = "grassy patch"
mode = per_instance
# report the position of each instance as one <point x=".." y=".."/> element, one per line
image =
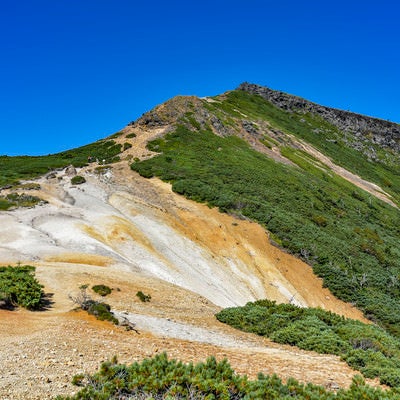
<point x="15" y="200"/>
<point x="14" y="169"/>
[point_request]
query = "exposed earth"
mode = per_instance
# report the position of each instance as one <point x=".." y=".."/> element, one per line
<point x="134" y="234"/>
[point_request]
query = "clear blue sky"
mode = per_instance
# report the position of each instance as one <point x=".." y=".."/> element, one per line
<point x="74" y="71"/>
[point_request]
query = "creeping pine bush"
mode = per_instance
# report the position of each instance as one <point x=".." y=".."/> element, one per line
<point x="102" y="311"/>
<point x="102" y="290"/>
<point x="127" y="146"/>
<point x="162" y="378"/>
<point x="19" y="287"/>
<point x="365" y="347"/>
<point x="143" y="297"/>
<point x="78" y="180"/>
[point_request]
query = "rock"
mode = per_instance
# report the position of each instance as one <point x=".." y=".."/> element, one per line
<point x="51" y="175"/>
<point x="70" y="171"/>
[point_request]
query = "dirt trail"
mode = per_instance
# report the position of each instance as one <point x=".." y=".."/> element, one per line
<point x="136" y="234"/>
<point x="369" y="187"/>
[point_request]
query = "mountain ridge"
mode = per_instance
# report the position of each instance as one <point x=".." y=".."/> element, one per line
<point x="384" y="133"/>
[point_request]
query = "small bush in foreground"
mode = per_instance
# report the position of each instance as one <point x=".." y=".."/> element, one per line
<point x="19" y="287"/>
<point x="102" y="290"/>
<point x="161" y="378"/>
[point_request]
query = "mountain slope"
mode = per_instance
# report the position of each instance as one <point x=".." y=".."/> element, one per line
<point x="252" y="160"/>
<point x="349" y="237"/>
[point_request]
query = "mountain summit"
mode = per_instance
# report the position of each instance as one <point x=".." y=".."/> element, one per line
<point x="384" y="133"/>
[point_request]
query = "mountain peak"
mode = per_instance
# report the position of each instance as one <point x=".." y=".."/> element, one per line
<point x="381" y="132"/>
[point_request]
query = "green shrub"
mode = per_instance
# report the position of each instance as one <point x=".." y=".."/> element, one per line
<point x="127" y="146"/>
<point x="102" y="311"/>
<point x="161" y="378"/>
<point x="319" y="220"/>
<point x="102" y="290"/>
<point x="130" y="135"/>
<point x="78" y="180"/>
<point x="143" y="297"/>
<point x="364" y="347"/>
<point x="5" y="204"/>
<point x="19" y="287"/>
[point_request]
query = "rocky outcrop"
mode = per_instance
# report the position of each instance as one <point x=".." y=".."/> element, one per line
<point x="383" y="133"/>
<point x="189" y="111"/>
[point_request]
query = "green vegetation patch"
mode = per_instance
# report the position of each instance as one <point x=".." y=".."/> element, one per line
<point x="102" y="290"/>
<point x="78" y="180"/>
<point x="349" y="237"/>
<point x="19" y="287"/>
<point x="143" y="297"/>
<point x="127" y="146"/>
<point x="324" y="136"/>
<point x="102" y="311"/>
<point x="14" y="169"/>
<point x="367" y="348"/>
<point x="161" y="378"/>
<point x="15" y="200"/>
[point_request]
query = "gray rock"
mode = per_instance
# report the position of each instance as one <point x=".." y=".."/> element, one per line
<point x="70" y="171"/>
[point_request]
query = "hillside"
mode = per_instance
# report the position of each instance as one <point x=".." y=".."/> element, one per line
<point x="290" y="190"/>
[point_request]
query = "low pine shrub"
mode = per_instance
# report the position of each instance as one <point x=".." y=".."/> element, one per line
<point x="19" y="287"/>
<point x="78" y="180"/>
<point x="161" y="378"/>
<point x="127" y="146"/>
<point x="102" y="311"/>
<point x="102" y="290"/>
<point x="143" y="297"/>
<point x="365" y="347"/>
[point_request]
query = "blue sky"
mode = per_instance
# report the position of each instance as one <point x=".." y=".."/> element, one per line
<point x="74" y="71"/>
